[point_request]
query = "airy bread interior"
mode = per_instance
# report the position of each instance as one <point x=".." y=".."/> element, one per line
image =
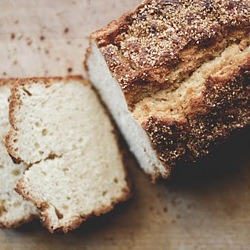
<point x="63" y="132"/>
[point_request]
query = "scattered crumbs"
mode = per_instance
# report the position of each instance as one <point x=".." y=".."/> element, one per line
<point x="15" y="62"/>
<point x="165" y="209"/>
<point x="38" y="48"/>
<point x="68" y="42"/>
<point x="174" y="201"/>
<point x="189" y="206"/>
<point x="46" y="72"/>
<point x="20" y="37"/>
<point x="69" y="70"/>
<point x="159" y="213"/>
<point x="16" y="22"/>
<point x="46" y="51"/>
<point x="80" y="45"/>
<point x="58" y="58"/>
<point x="42" y="38"/>
<point x="66" y="30"/>
<point x="151" y="208"/>
<point x="4" y="73"/>
<point x="28" y="41"/>
<point x="178" y="216"/>
<point x="12" y="36"/>
<point x="173" y="221"/>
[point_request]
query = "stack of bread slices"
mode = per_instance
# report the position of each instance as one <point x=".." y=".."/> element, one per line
<point x="68" y="164"/>
<point x="175" y="76"/>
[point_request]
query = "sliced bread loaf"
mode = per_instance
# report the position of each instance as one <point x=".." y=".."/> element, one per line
<point x="14" y="210"/>
<point x="175" y="76"/>
<point x="61" y="130"/>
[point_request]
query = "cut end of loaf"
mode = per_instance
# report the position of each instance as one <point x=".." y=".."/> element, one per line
<point x="76" y="168"/>
<point x="114" y="98"/>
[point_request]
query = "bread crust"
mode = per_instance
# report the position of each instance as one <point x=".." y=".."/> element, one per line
<point x="18" y="223"/>
<point x="45" y="217"/>
<point x="143" y="47"/>
<point x="223" y="109"/>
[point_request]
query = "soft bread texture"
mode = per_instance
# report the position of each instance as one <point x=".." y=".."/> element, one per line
<point x="175" y="76"/>
<point x="61" y="130"/>
<point x="14" y="210"/>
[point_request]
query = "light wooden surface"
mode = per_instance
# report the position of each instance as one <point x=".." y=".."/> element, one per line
<point x="199" y="209"/>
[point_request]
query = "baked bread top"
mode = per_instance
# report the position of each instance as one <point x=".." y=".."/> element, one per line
<point x="162" y="42"/>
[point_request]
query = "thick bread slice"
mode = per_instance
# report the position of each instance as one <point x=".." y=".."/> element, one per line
<point x="14" y="210"/>
<point x="175" y="76"/>
<point x="61" y="130"/>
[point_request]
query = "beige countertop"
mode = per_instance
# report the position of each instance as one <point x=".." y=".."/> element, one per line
<point x="199" y="209"/>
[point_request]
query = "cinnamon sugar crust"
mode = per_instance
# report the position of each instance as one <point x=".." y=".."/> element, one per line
<point x="222" y="110"/>
<point x="144" y="47"/>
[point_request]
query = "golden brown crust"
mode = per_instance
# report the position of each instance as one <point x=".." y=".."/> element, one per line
<point x="223" y="109"/>
<point x="7" y="81"/>
<point x="4" y="81"/>
<point x="18" y="223"/>
<point x="144" y="46"/>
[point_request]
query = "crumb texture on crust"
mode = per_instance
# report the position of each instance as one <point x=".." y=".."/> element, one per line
<point x="76" y="167"/>
<point x="14" y="210"/>
<point x="144" y="47"/>
<point x="223" y="109"/>
<point x="174" y="103"/>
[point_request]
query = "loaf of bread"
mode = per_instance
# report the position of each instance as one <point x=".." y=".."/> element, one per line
<point x="14" y="210"/>
<point x="60" y="129"/>
<point x="175" y="75"/>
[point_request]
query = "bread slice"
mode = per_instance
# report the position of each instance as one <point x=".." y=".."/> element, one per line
<point x="175" y="76"/>
<point x="61" y="130"/>
<point x="14" y="210"/>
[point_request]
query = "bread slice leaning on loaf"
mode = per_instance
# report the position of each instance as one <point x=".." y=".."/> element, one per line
<point x="14" y="210"/>
<point x="175" y="76"/>
<point x="61" y="130"/>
